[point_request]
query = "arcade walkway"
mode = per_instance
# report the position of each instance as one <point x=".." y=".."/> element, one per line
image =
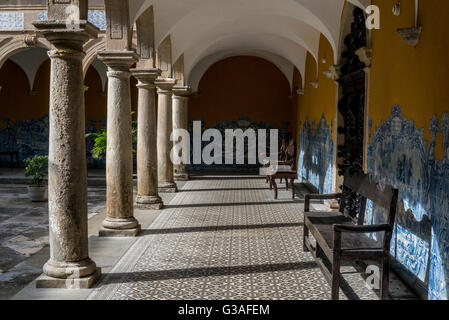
<point x="221" y="238"/>
<point x="218" y="238"/>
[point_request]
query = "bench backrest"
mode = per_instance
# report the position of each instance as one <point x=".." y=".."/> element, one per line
<point x="367" y="188"/>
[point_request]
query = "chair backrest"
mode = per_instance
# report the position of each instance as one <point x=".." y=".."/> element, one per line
<point x="367" y="188"/>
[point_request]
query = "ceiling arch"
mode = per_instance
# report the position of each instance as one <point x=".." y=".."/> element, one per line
<point x="282" y="26"/>
<point x="257" y="42"/>
<point x="30" y="61"/>
<point x="170" y="15"/>
<point x="197" y="26"/>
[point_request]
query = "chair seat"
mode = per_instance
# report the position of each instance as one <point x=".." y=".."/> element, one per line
<point x="321" y="226"/>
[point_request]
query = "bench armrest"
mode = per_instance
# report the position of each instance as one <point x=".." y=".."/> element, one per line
<point x="361" y="229"/>
<point x="309" y="197"/>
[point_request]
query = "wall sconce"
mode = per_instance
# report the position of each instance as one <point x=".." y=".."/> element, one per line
<point x="397" y="9"/>
<point x="314" y="84"/>
<point x="324" y="60"/>
<point x="411" y="35"/>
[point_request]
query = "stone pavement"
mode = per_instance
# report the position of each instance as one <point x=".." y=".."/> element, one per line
<point x="24" y="235"/>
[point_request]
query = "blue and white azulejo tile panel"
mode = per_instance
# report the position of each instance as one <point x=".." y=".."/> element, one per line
<point x="399" y="155"/>
<point x="11" y="20"/>
<point x="96" y="17"/>
<point x="316" y="155"/>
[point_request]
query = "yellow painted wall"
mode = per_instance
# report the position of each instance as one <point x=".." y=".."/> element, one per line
<point x="321" y="100"/>
<point x="414" y="78"/>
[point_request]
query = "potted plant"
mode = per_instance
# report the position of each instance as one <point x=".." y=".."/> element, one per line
<point x="37" y="168"/>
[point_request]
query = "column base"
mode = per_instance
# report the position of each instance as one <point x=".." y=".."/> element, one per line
<point x="181" y="177"/>
<point x="119" y="233"/>
<point x="168" y="187"/>
<point x="120" y="227"/>
<point x="47" y="282"/>
<point x="149" y="203"/>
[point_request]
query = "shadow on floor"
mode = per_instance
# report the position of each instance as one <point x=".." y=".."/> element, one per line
<point x="225" y="189"/>
<point x="205" y="205"/>
<point x="219" y="228"/>
<point x="160" y="275"/>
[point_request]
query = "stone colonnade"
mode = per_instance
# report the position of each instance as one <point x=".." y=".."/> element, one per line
<point x="180" y="121"/>
<point x="69" y="265"/>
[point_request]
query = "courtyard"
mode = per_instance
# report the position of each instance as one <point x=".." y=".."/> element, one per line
<point x="224" y="150"/>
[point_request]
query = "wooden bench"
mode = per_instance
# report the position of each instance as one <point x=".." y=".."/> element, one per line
<point x="339" y="237"/>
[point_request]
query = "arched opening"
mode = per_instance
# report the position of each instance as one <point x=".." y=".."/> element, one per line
<point x="24" y="96"/>
<point x="242" y="92"/>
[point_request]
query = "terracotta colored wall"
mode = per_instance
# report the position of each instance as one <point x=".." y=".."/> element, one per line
<point x="16" y="102"/>
<point x="242" y="86"/>
<point x="96" y="101"/>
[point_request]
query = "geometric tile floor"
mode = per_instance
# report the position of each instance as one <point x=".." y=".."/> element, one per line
<point x="224" y="238"/>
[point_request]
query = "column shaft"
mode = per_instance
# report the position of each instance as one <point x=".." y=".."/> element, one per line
<point x="120" y="219"/>
<point x="180" y="121"/>
<point x="164" y="130"/>
<point x="147" y="172"/>
<point x="69" y="264"/>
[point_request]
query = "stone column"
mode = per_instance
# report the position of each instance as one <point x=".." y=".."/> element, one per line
<point x="120" y="221"/>
<point x="164" y="130"/>
<point x="69" y="265"/>
<point x="180" y="121"/>
<point x="147" y="179"/>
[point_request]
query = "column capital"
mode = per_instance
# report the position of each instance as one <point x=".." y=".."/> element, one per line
<point x="146" y="77"/>
<point x="118" y="60"/>
<point x="165" y="85"/>
<point x="61" y="35"/>
<point x="182" y="91"/>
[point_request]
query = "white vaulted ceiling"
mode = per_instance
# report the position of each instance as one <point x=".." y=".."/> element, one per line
<point x="281" y="31"/>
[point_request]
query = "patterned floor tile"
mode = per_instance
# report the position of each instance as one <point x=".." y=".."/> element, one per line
<point x="224" y="239"/>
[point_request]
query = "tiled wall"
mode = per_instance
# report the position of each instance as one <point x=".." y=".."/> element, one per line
<point x="241" y="123"/>
<point x="11" y="20"/>
<point x="30" y="138"/>
<point x="399" y="155"/>
<point x="316" y="155"/>
<point x="96" y="17"/>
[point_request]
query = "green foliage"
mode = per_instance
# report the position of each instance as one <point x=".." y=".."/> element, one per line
<point x="100" y="141"/>
<point x="37" y="168"/>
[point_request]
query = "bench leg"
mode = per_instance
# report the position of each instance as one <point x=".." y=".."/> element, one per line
<point x="336" y="278"/>
<point x="293" y="188"/>
<point x="275" y="189"/>
<point x="385" y="282"/>
<point x="305" y="236"/>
